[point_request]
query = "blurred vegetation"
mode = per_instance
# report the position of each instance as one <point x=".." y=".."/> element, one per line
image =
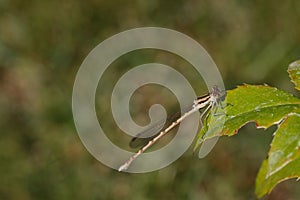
<point x="42" y="44"/>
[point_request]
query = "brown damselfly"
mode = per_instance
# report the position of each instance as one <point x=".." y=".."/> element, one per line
<point x="205" y="103"/>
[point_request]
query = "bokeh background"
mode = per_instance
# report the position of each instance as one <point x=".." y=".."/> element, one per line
<point x="43" y="43"/>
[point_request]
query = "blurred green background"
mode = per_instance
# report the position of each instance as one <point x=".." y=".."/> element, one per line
<point x="43" y="43"/>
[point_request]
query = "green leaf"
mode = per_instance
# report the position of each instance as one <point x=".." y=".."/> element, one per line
<point x="294" y="72"/>
<point x="265" y="106"/>
<point x="284" y="156"/>
<point x="261" y="104"/>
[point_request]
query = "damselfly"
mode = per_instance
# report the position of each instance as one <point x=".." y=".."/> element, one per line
<point x="208" y="101"/>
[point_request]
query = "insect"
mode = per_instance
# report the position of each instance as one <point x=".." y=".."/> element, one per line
<point x="208" y="101"/>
